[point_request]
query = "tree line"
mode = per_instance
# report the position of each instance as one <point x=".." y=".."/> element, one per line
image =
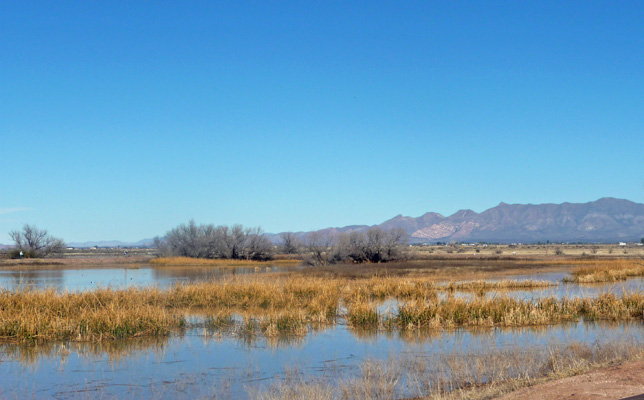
<point x="238" y="243"/>
<point x="373" y="245"/>
<point x="210" y="241"/>
<point x="315" y="248"/>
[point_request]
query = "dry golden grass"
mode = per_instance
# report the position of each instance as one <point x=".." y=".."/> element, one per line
<point x="189" y="261"/>
<point x="274" y="304"/>
<point x="506" y="311"/>
<point x="498" y="285"/>
<point x="584" y="261"/>
<point x="615" y="270"/>
<point x="33" y="316"/>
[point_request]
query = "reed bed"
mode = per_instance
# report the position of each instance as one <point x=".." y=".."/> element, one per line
<point x="286" y="304"/>
<point x="33" y="316"/>
<point x="497" y="285"/>
<point x="504" y="311"/>
<point x="453" y="313"/>
<point x="189" y="261"/>
<point x="616" y="270"/>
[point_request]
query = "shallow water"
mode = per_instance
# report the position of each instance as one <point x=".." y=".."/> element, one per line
<point x="200" y="363"/>
<point x="119" y="277"/>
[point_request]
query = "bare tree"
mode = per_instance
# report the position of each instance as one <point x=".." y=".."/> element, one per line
<point x="184" y="240"/>
<point x="209" y="241"/>
<point x="374" y="245"/>
<point x="34" y="242"/>
<point x="317" y="248"/>
<point x="290" y="243"/>
<point x="258" y="247"/>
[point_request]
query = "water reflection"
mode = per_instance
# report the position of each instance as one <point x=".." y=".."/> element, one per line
<point x="198" y="361"/>
<point x="16" y="280"/>
<point x="122" y="278"/>
<point x="574" y="290"/>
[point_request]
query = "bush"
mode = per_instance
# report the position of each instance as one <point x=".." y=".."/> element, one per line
<point x="34" y="243"/>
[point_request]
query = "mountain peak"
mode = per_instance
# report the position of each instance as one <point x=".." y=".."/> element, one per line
<point x="604" y="220"/>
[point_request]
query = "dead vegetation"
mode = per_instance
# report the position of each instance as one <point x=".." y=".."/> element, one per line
<point x="607" y="271"/>
<point x="288" y="305"/>
<point x="454" y="377"/>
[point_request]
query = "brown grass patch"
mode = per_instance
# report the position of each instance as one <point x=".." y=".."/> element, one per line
<point x="607" y="271"/>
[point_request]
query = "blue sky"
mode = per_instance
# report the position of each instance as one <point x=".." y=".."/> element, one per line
<point x="120" y="120"/>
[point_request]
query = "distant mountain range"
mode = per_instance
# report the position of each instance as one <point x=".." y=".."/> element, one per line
<point x="112" y="243"/>
<point x="604" y="220"/>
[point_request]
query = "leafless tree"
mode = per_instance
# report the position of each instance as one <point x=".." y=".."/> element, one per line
<point x="34" y="242"/>
<point x="258" y="247"/>
<point x="290" y="243"/>
<point x="316" y="250"/>
<point x="209" y="241"/>
<point x="374" y="245"/>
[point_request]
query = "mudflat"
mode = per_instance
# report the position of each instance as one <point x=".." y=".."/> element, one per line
<point x="623" y="381"/>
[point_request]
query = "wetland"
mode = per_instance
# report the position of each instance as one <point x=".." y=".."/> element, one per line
<point x="441" y="327"/>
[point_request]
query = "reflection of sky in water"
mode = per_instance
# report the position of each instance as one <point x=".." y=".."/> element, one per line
<point x="119" y="278"/>
<point x="571" y="290"/>
<point x="200" y="364"/>
<point x="197" y="364"/>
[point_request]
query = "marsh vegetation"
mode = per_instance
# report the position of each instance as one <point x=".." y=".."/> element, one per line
<point x="412" y="300"/>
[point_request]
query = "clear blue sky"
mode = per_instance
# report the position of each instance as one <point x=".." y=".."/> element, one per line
<point x="120" y="120"/>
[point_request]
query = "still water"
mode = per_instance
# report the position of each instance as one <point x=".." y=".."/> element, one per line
<point x="199" y="363"/>
<point x="121" y="278"/>
<point x="164" y="277"/>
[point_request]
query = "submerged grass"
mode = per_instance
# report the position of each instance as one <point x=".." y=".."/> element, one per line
<point x="282" y="304"/>
<point x="483" y="375"/>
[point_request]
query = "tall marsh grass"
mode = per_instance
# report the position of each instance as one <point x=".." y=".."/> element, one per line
<point x="32" y="316"/>
<point x="615" y="270"/>
<point x="506" y="311"/>
<point x="286" y="304"/>
<point x="498" y="285"/>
